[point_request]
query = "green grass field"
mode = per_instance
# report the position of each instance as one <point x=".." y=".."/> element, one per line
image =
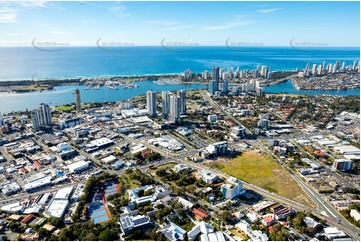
<point x="131" y="182"/>
<point x="64" y="108"/>
<point x="263" y="171"/>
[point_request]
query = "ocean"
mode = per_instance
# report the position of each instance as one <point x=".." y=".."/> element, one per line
<point x="21" y="63"/>
<point x="26" y="63"/>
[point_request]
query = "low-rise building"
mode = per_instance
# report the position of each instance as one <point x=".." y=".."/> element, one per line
<point x="109" y="159"/>
<point x="208" y="177"/>
<point x="268" y="221"/>
<point x="131" y="222"/>
<point x="200" y="227"/>
<point x="79" y="166"/>
<point x="11" y="188"/>
<point x="238" y="132"/>
<point x="173" y="232"/>
<point x="311" y="223"/>
<point x="333" y="233"/>
<point x="219" y="148"/>
<point x="199" y="214"/>
<point x="186" y="204"/>
<point x="12" y="208"/>
<point x="157" y="192"/>
<point x="342" y="164"/>
<point x="38" y="184"/>
<point x="60" y="203"/>
<point x="259" y="207"/>
<point x="180" y="167"/>
<point x="280" y="212"/>
<point x="254" y="235"/>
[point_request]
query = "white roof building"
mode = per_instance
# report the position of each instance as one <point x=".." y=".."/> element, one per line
<point x="12" y="208"/>
<point x="208" y="177"/>
<point x="347" y="150"/>
<point x="310" y="222"/>
<point x="78" y="193"/>
<point x="57" y="208"/>
<point x="137" y="149"/>
<point x="254" y="235"/>
<point x="333" y="232"/>
<point x="102" y="142"/>
<point x="11" y="188"/>
<point x="109" y="159"/>
<point x="173" y="232"/>
<point x="200" y="227"/>
<point x="253" y="217"/>
<point x="186" y="204"/>
<point x="180" y="167"/>
<point x="158" y="192"/>
<point x="41" y="183"/>
<point x="64" y="194"/>
<point x="78" y="166"/>
<point x="35" y="209"/>
<point x="232" y="188"/>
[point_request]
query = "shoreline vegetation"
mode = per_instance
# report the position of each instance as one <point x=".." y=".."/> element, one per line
<point x="21" y="86"/>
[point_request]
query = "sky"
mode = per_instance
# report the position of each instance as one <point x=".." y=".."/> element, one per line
<point x="179" y="23"/>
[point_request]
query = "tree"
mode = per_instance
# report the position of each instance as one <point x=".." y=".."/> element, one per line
<point x="108" y="235"/>
<point x="226" y="216"/>
<point x="58" y="223"/>
<point x="298" y="222"/>
<point x="90" y="236"/>
<point x="141" y="193"/>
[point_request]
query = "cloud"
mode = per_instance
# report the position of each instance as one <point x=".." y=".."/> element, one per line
<point x="118" y="9"/>
<point x="239" y="21"/>
<point x="8" y="15"/>
<point x="13" y="34"/>
<point x="60" y="32"/>
<point x="33" y="4"/>
<point x="270" y="10"/>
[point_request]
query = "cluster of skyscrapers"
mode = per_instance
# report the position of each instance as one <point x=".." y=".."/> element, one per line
<point x="222" y="74"/>
<point x="330" y="68"/>
<point x="173" y="105"/>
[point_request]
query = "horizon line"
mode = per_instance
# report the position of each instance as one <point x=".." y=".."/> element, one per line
<point x="183" y="46"/>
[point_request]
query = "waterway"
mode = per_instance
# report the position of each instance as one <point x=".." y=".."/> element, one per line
<point x="65" y="94"/>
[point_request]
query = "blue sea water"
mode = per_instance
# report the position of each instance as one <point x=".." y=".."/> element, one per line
<point x="30" y="63"/>
<point x="27" y="63"/>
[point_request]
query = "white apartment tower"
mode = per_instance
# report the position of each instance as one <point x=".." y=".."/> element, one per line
<point x="152" y="103"/>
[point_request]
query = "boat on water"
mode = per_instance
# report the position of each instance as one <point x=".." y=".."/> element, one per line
<point x="87" y="88"/>
<point x="112" y="87"/>
<point x="97" y="87"/>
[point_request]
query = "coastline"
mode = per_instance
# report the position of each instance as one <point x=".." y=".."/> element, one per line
<point x="23" y="86"/>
